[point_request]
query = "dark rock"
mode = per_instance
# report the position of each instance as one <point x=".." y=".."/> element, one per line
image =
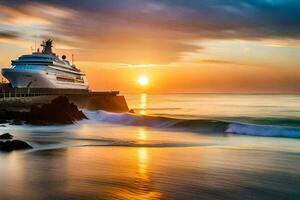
<point x="6" y="136"/>
<point x="3" y="121"/>
<point x="14" y="145"/>
<point x="17" y="122"/>
<point x="59" y="111"/>
<point x="6" y="115"/>
<point x="131" y="111"/>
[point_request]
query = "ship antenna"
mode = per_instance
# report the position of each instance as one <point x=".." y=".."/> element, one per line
<point x="35" y="43"/>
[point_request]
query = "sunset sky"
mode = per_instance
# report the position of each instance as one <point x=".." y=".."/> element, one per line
<point x="180" y="45"/>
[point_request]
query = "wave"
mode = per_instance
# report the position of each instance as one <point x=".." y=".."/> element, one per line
<point x="289" y="122"/>
<point x="263" y="130"/>
<point x="196" y="125"/>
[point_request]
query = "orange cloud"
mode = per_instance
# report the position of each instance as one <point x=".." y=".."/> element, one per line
<point x="284" y="43"/>
<point x="182" y="49"/>
<point x="13" y="16"/>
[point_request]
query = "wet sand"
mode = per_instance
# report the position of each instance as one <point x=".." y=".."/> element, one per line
<point x="150" y="173"/>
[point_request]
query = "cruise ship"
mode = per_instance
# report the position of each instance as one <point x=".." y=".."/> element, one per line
<point x="45" y="69"/>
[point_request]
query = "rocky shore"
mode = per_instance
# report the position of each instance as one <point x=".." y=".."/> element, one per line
<point x="59" y="111"/>
<point x="8" y="144"/>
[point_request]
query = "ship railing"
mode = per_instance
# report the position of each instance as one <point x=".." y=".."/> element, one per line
<point x="26" y="92"/>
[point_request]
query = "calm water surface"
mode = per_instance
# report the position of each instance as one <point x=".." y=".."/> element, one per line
<point x="174" y="147"/>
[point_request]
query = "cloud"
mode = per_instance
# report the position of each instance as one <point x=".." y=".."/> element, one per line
<point x="8" y="35"/>
<point x="283" y="43"/>
<point x="135" y="31"/>
<point x="11" y="16"/>
<point x="199" y="19"/>
<point x="223" y="62"/>
<point x="206" y="18"/>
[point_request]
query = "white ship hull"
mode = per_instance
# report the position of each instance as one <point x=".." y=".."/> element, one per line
<point x="45" y="70"/>
<point x="39" y="79"/>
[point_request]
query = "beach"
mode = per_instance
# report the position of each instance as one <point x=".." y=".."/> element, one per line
<point x="177" y="146"/>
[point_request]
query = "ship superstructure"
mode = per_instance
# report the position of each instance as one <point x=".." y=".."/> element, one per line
<point x="45" y="69"/>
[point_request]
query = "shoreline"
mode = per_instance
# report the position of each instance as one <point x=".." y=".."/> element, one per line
<point x="91" y="172"/>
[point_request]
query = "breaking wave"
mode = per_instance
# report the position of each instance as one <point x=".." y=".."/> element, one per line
<point x="263" y="130"/>
<point x="196" y="125"/>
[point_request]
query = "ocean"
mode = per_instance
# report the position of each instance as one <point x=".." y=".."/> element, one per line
<point x="175" y="146"/>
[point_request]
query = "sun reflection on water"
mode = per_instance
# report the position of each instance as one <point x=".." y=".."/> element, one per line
<point x="142" y="135"/>
<point x="143" y="103"/>
<point x="143" y="163"/>
<point x="144" y="181"/>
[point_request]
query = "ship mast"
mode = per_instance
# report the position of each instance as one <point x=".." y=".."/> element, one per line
<point x="34" y="43"/>
<point x="47" y="47"/>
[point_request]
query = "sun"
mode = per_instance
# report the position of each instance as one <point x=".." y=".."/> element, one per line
<point x="143" y="80"/>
